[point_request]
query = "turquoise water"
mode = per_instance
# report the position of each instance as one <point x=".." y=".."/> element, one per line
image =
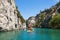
<point x="37" y="34"/>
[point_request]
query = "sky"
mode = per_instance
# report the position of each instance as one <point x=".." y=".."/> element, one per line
<point x="29" y="8"/>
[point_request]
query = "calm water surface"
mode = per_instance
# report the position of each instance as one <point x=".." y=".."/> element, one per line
<point x="37" y="34"/>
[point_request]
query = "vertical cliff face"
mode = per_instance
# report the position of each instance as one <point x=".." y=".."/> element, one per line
<point x="8" y="15"/>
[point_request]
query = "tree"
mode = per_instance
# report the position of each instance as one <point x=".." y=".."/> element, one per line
<point x="55" y="21"/>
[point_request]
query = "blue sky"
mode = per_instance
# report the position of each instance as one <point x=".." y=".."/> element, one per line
<point x="29" y="8"/>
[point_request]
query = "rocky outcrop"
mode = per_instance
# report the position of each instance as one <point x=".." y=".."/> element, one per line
<point x="24" y="26"/>
<point x="31" y="21"/>
<point x="8" y="15"/>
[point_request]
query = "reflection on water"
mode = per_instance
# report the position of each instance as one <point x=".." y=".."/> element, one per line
<point x="8" y="35"/>
<point x="37" y="34"/>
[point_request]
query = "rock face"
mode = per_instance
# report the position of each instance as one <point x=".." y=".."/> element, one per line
<point x="31" y="21"/>
<point x="8" y="15"/>
<point x="24" y="26"/>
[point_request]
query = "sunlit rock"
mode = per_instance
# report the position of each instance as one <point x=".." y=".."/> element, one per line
<point x="8" y="15"/>
<point x="31" y="21"/>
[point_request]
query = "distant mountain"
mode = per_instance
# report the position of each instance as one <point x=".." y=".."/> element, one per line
<point x="31" y="20"/>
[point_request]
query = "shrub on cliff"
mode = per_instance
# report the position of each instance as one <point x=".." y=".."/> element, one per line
<point x="55" y="21"/>
<point x="19" y="16"/>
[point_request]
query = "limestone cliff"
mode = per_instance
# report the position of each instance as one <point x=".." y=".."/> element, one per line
<point x="8" y="15"/>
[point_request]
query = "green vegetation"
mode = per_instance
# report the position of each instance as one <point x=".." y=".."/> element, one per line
<point x="40" y="19"/>
<point x="19" y="16"/>
<point x="49" y="18"/>
<point x="55" y="21"/>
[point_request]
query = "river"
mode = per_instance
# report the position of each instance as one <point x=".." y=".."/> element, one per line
<point x="37" y="34"/>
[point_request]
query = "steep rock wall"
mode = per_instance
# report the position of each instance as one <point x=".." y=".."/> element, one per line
<point x="8" y="15"/>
